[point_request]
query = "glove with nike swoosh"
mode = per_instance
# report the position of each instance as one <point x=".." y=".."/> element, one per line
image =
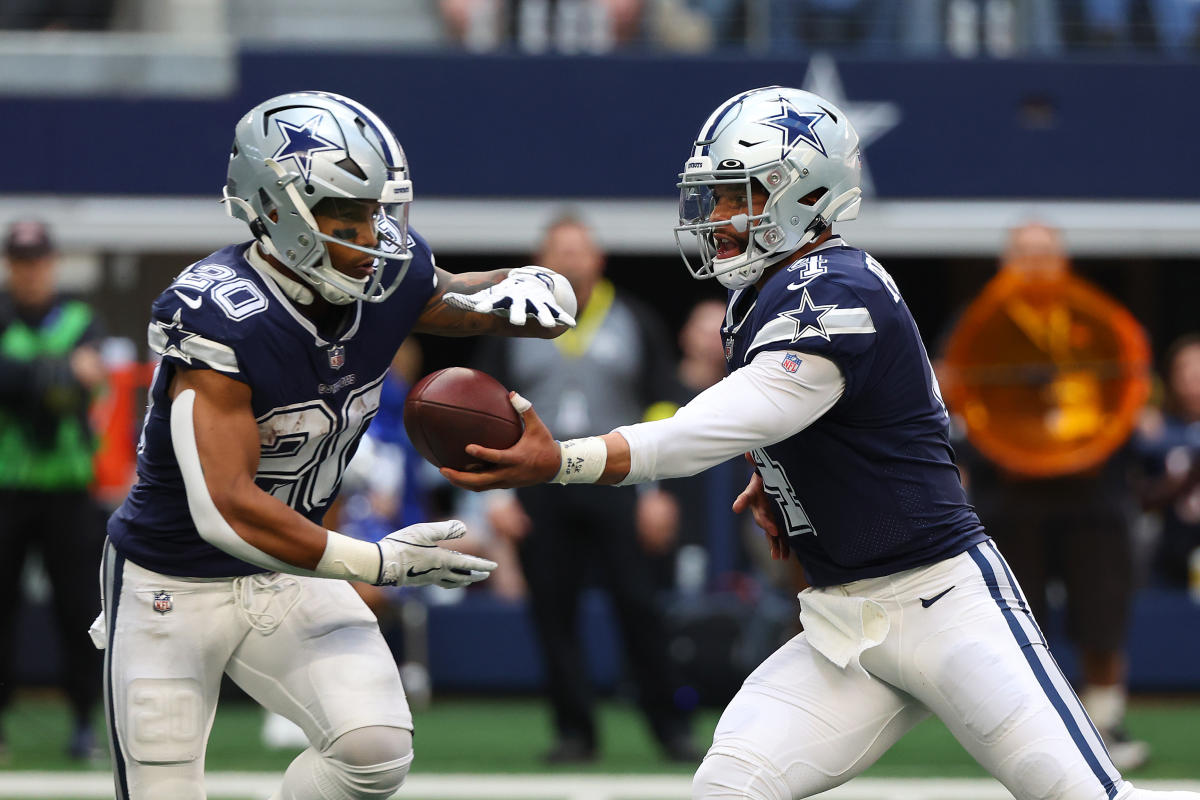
<point x="411" y="557"/>
<point x="526" y="292"/>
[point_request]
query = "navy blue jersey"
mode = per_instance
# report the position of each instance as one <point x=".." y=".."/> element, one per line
<point x="870" y="488"/>
<point x="313" y="398"/>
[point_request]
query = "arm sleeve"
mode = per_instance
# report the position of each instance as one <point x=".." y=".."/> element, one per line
<point x="758" y="405"/>
<point x="211" y="526"/>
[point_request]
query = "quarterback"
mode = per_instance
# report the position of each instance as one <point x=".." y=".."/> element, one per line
<point x="912" y="610"/>
<point x="273" y="354"/>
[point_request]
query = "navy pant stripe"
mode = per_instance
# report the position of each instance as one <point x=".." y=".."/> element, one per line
<point x="1039" y="670"/>
<point x="114" y="567"/>
<point x="1012" y="582"/>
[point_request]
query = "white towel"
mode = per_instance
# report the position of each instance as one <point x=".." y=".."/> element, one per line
<point x="842" y="627"/>
<point x="99" y="631"/>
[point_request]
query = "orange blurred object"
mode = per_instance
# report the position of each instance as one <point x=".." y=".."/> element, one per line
<point x="1047" y="371"/>
<point x="115" y="418"/>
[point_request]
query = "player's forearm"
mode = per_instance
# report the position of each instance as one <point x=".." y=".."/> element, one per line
<point x="267" y="524"/>
<point x="616" y="466"/>
<point x="231" y="513"/>
<point x="758" y="405"/>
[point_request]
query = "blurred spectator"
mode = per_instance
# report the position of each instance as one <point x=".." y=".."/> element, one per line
<point x="821" y="24"/>
<point x="1072" y="523"/>
<point x="56" y="15"/>
<point x="539" y="26"/>
<point x="49" y="369"/>
<point x="696" y="26"/>
<point x="1169" y="25"/>
<point x="610" y="368"/>
<point x="1169" y="443"/>
<point x="709" y="530"/>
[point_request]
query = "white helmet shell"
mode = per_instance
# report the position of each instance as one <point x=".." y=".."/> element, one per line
<point x="293" y="151"/>
<point x="798" y="147"/>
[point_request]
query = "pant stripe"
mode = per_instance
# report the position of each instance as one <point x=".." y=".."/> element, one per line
<point x="1026" y="632"/>
<point x="1056" y="674"/>
<point x="114" y="567"/>
<point x="1018" y="595"/>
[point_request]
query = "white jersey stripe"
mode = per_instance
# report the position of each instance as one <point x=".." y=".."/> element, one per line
<point x="835" y="322"/>
<point x="216" y="355"/>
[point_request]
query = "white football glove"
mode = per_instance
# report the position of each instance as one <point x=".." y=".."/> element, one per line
<point x="526" y="292"/>
<point x="411" y="557"/>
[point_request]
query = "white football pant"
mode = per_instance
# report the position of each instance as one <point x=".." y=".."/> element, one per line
<point x="973" y="656"/>
<point x="305" y="648"/>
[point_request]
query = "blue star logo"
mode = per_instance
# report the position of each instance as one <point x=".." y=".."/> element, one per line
<point x="797" y="126"/>
<point x="176" y="337"/>
<point x="808" y="318"/>
<point x="300" y="142"/>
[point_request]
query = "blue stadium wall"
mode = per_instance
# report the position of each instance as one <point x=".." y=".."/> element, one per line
<point x="620" y="127"/>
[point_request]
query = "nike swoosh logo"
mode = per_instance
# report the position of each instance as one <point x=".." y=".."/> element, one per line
<point x="927" y="603"/>
<point x="413" y="574"/>
<point x="191" y="302"/>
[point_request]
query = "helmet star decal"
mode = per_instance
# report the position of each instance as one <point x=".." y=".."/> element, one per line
<point x="797" y="126"/>
<point x="300" y="142"/>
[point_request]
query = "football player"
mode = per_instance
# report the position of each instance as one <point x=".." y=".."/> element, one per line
<point x="911" y="609"/>
<point x="273" y="356"/>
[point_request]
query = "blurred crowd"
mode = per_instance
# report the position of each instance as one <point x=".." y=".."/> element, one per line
<point x="906" y="28"/>
<point x="1082" y="535"/>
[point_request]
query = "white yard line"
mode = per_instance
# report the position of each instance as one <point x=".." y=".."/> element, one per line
<point x="87" y="785"/>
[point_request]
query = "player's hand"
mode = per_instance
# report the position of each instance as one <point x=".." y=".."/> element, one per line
<point x="526" y="292"/>
<point x="535" y="458"/>
<point x="754" y="497"/>
<point x="411" y="557"/>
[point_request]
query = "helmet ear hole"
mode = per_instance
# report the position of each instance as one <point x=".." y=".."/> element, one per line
<point x="349" y="165"/>
<point x="812" y="197"/>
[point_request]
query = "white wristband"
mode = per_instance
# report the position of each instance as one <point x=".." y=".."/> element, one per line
<point x="349" y="559"/>
<point x="582" y="460"/>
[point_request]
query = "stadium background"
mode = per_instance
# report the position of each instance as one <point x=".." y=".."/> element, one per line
<point x="119" y="138"/>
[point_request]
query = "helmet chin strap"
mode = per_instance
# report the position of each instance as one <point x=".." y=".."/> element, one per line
<point x="294" y="290"/>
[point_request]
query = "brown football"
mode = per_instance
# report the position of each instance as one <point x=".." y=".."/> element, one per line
<point x="451" y="408"/>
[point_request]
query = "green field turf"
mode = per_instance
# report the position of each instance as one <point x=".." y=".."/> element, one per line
<point x="508" y="735"/>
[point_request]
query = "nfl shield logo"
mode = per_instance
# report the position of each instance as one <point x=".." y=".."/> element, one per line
<point x="791" y="362"/>
<point x="337" y="356"/>
<point x="162" y="602"/>
<point x="728" y="348"/>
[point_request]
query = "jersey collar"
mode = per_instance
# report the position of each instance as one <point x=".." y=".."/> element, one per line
<point x="275" y="283"/>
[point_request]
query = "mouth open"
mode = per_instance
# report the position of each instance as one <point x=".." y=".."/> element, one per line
<point x="363" y="269"/>
<point x="727" y="246"/>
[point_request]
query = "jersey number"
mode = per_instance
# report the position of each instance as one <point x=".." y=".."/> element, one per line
<point x="237" y="297"/>
<point x="778" y="487"/>
<point x="305" y="447"/>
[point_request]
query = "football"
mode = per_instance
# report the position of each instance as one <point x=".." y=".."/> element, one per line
<point x="451" y="408"/>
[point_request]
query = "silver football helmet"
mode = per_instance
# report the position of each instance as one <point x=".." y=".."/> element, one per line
<point x="295" y="150"/>
<point x="799" y="148"/>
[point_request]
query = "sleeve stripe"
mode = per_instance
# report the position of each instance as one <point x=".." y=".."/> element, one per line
<point x="193" y="346"/>
<point x="836" y="321"/>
